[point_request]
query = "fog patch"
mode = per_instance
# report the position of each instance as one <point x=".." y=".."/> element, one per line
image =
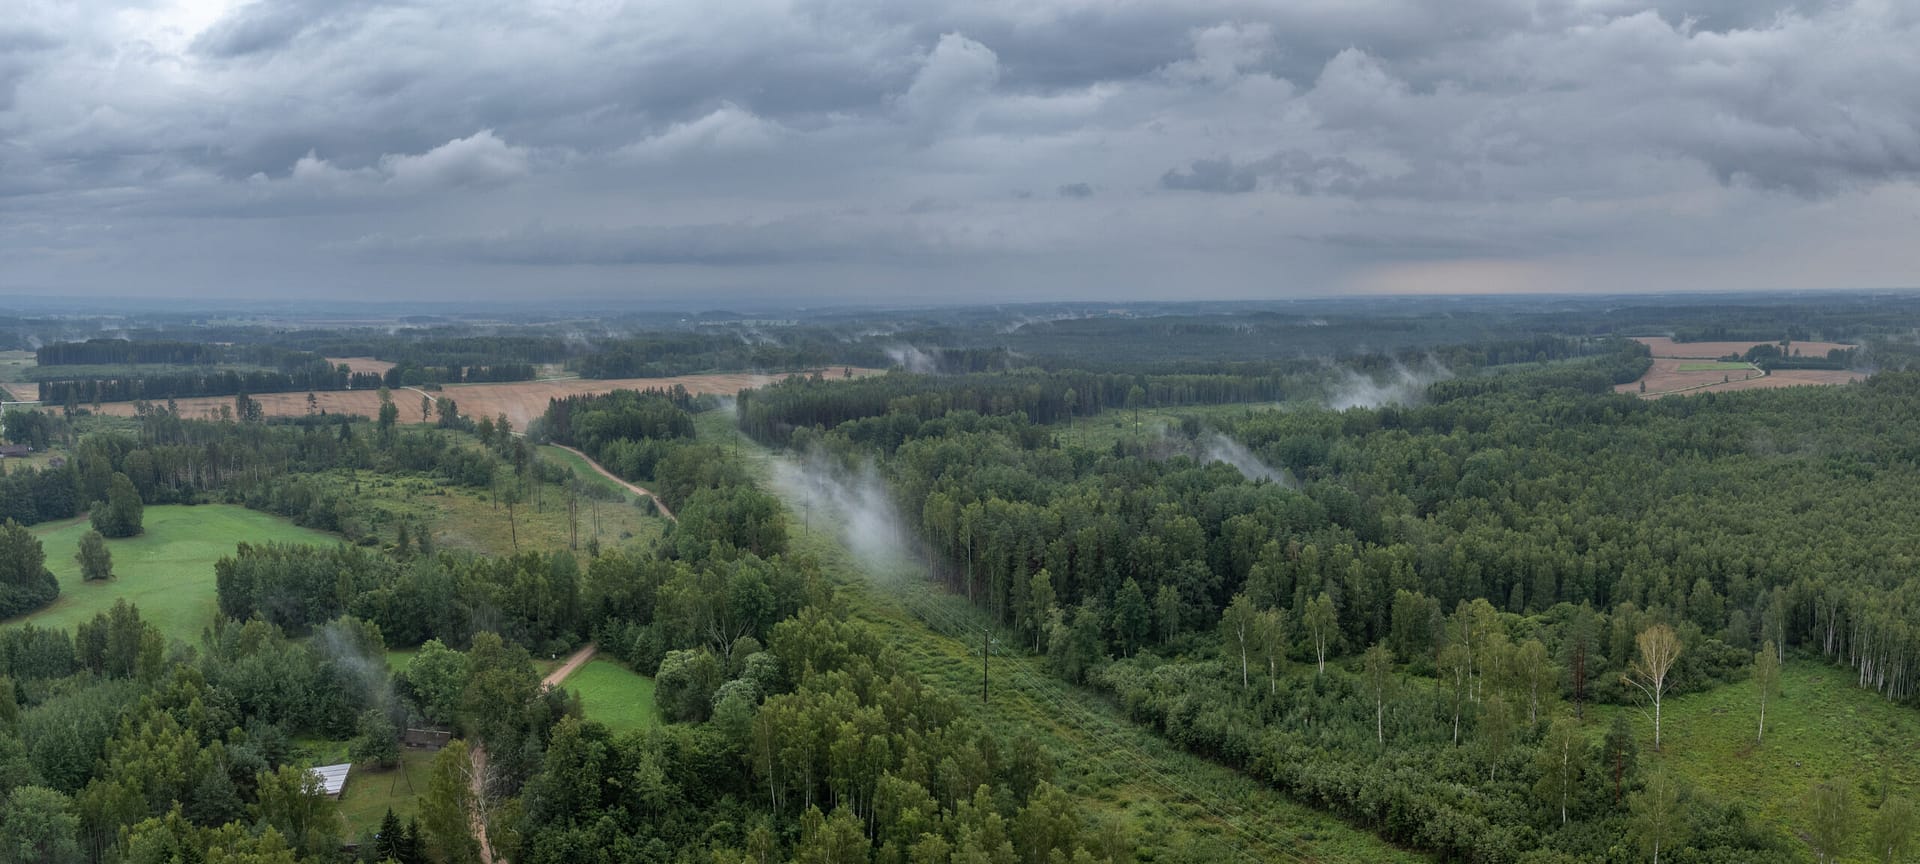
<point x="1400" y="385"/>
<point x="913" y="359"/>
<point x="1216" y="447"/>
<point x="854" y="503"/>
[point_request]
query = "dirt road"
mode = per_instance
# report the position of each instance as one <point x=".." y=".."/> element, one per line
<point x="573" y="663"/>
<point x="637" y="490"/>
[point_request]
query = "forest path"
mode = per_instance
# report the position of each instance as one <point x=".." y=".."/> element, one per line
<point x="479" y="753"/>
<point x="637" y="490"/>
<point x="573" y="663"/>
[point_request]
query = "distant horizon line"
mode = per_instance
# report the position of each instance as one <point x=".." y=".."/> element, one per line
<point x="590" y="304"/>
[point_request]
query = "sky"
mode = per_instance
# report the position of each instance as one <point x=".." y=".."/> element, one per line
<point x="949" y="151"/>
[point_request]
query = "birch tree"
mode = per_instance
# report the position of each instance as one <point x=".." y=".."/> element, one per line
<point x="1322" y="623"/>
<point x="1651" y="672"/>
<point x="1559" y="762"/>
<point x="1377" y="666"/>
<point x="1239" y="626"/>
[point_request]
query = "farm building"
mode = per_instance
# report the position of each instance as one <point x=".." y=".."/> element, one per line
<point x="15" y="451"/>
<point x="333" y="778"/>
<point x="426" y="739"/>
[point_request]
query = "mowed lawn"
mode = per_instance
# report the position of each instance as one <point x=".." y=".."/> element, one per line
<point x="167" y="571"/>
<point x="615" y="695"/>
<point x="369" y="793"/>
<point x="1820" y="726"/>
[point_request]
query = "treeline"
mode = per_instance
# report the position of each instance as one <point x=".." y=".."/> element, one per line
<point x="772" y="414"/>
<point x="122" y="352"/>
<point x="658" y="355"/>
<point x="182" y="385"/>
<point x="284" y="371"/>
<point x="1772" y="356"/>
<point x="412" y="374"/>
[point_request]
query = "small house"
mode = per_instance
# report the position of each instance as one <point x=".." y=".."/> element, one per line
<point x="333" y="778"/>
<point x="15" y="451"/>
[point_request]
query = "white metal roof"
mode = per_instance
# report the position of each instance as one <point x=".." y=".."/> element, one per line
<point x="333" y="778"/>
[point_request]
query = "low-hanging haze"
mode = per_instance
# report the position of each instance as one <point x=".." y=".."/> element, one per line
<point x="954" y="150"/>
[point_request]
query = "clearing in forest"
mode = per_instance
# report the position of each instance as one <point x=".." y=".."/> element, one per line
<point x="167" y="571"/>
<point x="614" y="695"/>
<point x="1819" y="726"/>
<point x="1696" y="367"/>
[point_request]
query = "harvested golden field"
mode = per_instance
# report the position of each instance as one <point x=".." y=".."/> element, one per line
<point x="1666" y="375"/>
<point x="1666" y="378"/>
<point x="1661" y="346"/>
<point x="363" y="364"/>
<point x="521" y="401"/>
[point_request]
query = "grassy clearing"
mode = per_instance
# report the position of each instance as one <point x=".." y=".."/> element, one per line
<point x="1119" y="772"/>
<point x="167" y="571"/>
<point x="370" y="793"/>
<point x="1715" y="366"/>
<point x="469" y="519"/>
<point x="16" y="365"/>
<point x="614" y="695"/>
<point x="585" y="471"/>
<point x="1820" y="726"/>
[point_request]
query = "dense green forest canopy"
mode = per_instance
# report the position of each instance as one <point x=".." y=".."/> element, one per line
<point x="1513" y="534"/>
<point x="1414" y="564"/>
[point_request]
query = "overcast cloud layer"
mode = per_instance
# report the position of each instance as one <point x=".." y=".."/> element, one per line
<point x="954" y="150"/>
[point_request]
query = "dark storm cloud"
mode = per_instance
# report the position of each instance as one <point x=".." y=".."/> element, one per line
<point x="1212" y="175"/>
<point x="1595" y="141"/>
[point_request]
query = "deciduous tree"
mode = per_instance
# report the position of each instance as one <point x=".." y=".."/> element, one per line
<point x="1892" y="834"/>
<point x="1239" y="631"/>
<point x="1322" y="624"/>
<point x="1559" y="761"/>
<point x="1651" y="672"/>
<point x="96" y="563"/>
<point x="1831" y="820"/>
<point x="1659" y="823"/>
<point x="1377" y="668"/>
<point x="1766" y="681"/>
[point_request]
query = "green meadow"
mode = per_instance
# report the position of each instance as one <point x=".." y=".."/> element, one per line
<point x="615" y="695"/>
<point x="1820" y="726"/>
<point x="167" y="571"/>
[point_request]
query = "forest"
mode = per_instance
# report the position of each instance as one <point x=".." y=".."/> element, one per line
<point x="1448" y="572"/>
<point x="1453" y="592"/>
